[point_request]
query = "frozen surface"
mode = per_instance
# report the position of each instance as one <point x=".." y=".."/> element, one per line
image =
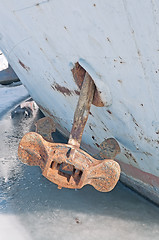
<point x="9" y="96"/>
<point x="31" y="207"/>
<point x="3" y="61"/>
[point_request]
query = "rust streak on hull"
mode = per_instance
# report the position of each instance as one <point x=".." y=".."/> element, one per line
<point x="24" y="66"/>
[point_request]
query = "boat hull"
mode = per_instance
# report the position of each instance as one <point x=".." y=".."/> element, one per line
<point x="117" y="44"/>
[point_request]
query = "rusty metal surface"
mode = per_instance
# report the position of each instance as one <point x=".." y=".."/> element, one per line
<point x="82" y="110"/>
<point x="54" y="157"/>
<point x="79" y="73"/>
<point x="45" y="126"/>
<point x="66" y="164"/>
<point x="109" y="149"/>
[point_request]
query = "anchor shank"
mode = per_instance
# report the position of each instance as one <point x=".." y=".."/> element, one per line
<point x="82" y="110"/>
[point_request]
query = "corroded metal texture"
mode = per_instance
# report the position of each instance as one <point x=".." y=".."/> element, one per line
<point x="66" y="164"/>
<point x="81" y="168"/>
<point x="79" y="73"/>
<point x="45" y="126"/>
<point x="82" y="110"/>
<point x="109" y="149"/>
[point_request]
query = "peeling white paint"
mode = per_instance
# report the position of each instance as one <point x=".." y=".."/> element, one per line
<point x="118" y="44"/>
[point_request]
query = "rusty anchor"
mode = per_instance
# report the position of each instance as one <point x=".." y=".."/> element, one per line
<point x="67" y="165"/>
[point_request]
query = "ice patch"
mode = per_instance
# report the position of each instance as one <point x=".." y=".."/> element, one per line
<point x="10" y="97"/>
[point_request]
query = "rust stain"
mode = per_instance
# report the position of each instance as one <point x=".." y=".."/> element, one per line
<point x="109" y="111"/>
<point x="147" y="153"/>
<point x="24" y="66"/>
<point x="77" y="92"/>
<point x="79" y="73"/>
<point x="108" y="39"/>
<point x="136" y="124"/>
<point x="97" y="145"/>
<point x="120" y="81"/>
<point x="129" y="155"/>
<point x="65" y="91"/>
<point x="139" y="53"/>
<point x="91" y="114"/>
<point x="147" y="139"/>
<point x="134" y="120"/>
<point x="90" y="127"/>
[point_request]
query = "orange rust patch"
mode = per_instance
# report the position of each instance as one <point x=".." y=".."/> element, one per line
<point x="65" y="91"/>
<point x="55" y="159"/>
<point x="24" y="66"/>
<point x="78" y="73"/>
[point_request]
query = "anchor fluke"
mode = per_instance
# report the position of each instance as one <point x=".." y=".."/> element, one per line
<point x="73" y="171"/>
<point x="67" y="165"/>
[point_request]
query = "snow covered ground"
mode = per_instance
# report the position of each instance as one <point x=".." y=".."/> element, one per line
<point x="32" y="208"/>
